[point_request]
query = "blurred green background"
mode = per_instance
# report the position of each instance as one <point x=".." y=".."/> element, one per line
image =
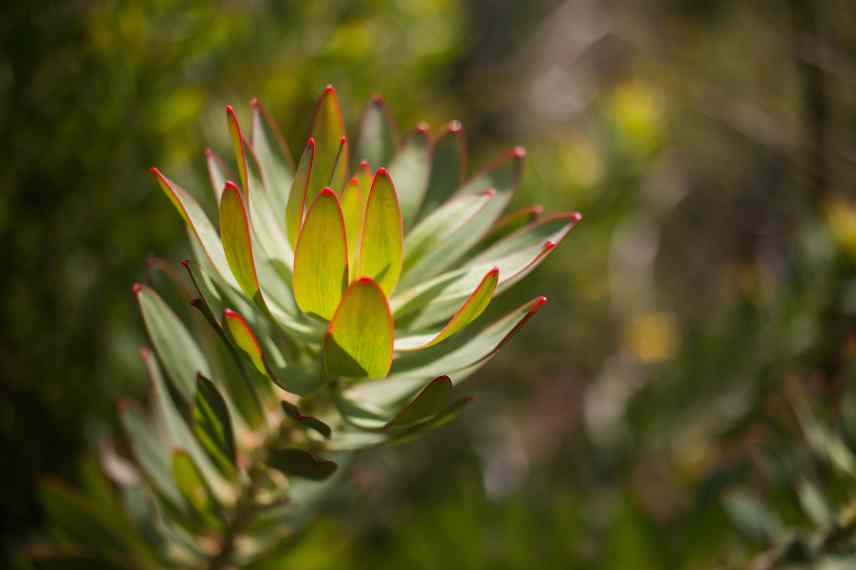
<point x="685" y="400"/>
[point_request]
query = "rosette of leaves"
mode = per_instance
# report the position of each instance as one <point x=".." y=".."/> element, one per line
<point x="341" y="296"/>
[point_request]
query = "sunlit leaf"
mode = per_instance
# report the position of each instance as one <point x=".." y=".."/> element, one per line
<point x="237" y="239"/>
<point x="243" y="336"/>
<point x="193" y="487"/>
<point x="321" y="258"/>
<point x="381" y="251"/>
<point x="360" y="336"/>
<point x="328" y="128"/>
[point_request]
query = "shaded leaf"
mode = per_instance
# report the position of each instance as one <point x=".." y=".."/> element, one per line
<point x="237" y="239"/>
<point x="299" y="463"/>
<point x="411" y="168"/>
<point x="216" y="173"/>
<point x="378" y="137"/>
<point x="212" y="426"/>
<point x="448" y="168"/>
<point x="307" y="422"/>
<point x="274" y="157"/>
<point x="196" y="492"/>
<point x="298" y="195"/>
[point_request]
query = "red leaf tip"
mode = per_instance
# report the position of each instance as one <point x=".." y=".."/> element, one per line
<point x="329" y="88"/>
<point x="364" y="164"/>
<point x="136" y="288"/>
<point x="343" y="140"/>
<point x="537" y="304"/>
<point x="549" y="245"/>
<point x="145" y="352"/>
<point x="154" y="170"/>
<point x="185" y="263"/>
<point x="310" y="141"/>
<point x="493" y="271"/>
<point x="365" y="281"/>
<point x="490" y="193"/>
<point x="423" y="127"/>
<point x="518" y="152"/>
<point x="381" y="172"/>
<point x="377" y="99"/>
<point x="230" y="111"/>
<point x="537" y="210"/>
<point x="231" y="313"/>
<point x="355" y="181"/>
<point x="454" y="127"/>
<point x="231" y="186"/>
<point x="208" y="152"/>
<point x="254" y="102"/>
<point x="326" y="191"/>
<point x="576" y="217"/>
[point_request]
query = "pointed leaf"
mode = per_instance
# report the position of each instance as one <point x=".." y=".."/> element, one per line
<point x="440" y="235"/>
<point x="239" y="148"/>
<point x="273" y="154"/>
<point x="328" y="128"/>
<point x="448" y="168"/>
<point x="360" y="335"/>
<point x="237" y="239"/>
<point x="321" y="258"/>
<point x="411" y="168"/>
<point x="510" y="223"/>
<point x="298" y="195"/>
<point x="432" y="400"/>
<point x="299" y="463"/>
<point x="378" y="137"/>
<point x="472" y="308"/>
<point x="177" y="350"/>
<point x="212" y="426"/>
<point x="436" y="299"/>
<point x="353" y="212"/>
<point x="196" y="492"/>
<point x="216" y="173"/>
<point x="243" y="336"/>
<point x="201" y="228"/>
<point x="307" y="422"/>
<point x="382" y="239"/>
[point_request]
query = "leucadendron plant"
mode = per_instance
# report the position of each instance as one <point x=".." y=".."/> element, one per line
<point x="342" y="297"/>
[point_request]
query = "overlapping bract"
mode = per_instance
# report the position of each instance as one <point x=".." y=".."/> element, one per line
<point x="365" y="277"/>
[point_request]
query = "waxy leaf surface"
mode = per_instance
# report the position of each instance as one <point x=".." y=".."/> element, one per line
<point x="328" y="128"/>
<point x="410" y="168"/>
<point x="377" y="140"/>
<point x="359" y="339"/>
<point x="381" y="253"/>
<point x="237" y="239"/>
<point x="298" y="196"/>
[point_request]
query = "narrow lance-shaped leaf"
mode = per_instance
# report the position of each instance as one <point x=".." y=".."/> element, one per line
<point x="510" y="223"/>
<point x="300" y="463"/>
<point x="328" y="128"/>
<point x="193" y="487"/>
<point x="378" y="137"/>
<point x="321" y="258"/>
<point x="216" y="173"/>
<point x="236" y="235"/>
<point x="239" y="148"/>
<point x="298" y="195"/>
<point x="448" y="168"/>
<point x="307" y="422"/>
<point x="212" y="426"/>
<point x="246" y="340"/>
<point x="199" y="224"/>
<point x="360" y="336"/>
<point x="411" y="168"/>
<point x="472" y="308"/>
<point x="176" y="348"/>
<point x="353" y="210"/>
<point x="273" y="154"/>
<point x="382" y="238"/>
<point x="432" y="400"/>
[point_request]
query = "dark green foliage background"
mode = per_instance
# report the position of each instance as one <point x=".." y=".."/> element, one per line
<point x="710" y="145"/>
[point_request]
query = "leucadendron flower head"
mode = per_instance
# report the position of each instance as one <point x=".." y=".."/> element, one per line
<point x="340" y="302"/>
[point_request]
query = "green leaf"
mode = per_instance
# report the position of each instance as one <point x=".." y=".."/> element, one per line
<point x="102" y="527"/>
<point x="440" y="235"/>
<point x="196" y="492"/>
<point x="360" y="335"/>
<point x="448" y="168"/>
<point x="216" y="173"/>
<point x="510" y="223"/>
<point x="239" y="148"/>
<point x="472" y="308"/>
<point x="243" y="336"/>
<point x="382" y="239"/>
<point x="411" y="168"/>
<point x="353" y="210"/>
<point x="300" y="463"/>
<point x="458" y="357"/>
<point x="328" y="128"/>
<point x="307" y="422"/>
<point x="432" y="400"/>
<point x="275" y="160"/>
<point x="518" y="255"/>
<point x="299" y="193"/>
<point x="237" y="239"/>
<point x="177" y="350"/>
<point x="378" y="137"/>
<point x="201" y="228"/>
<point x="321" y="258"/>
<point x="212" y="426"/>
